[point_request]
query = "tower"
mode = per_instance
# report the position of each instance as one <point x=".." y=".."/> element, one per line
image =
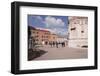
<point x="78" y="31"/>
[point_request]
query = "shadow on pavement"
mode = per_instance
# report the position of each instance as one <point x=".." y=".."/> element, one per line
<point x="35" y="54"/>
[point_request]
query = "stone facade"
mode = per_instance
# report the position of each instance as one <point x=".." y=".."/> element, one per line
<point x="45" y="37"/>
<point x="42" y="36"/>
<point x="78" y="32"/>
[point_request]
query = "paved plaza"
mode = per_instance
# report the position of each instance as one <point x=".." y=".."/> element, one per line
<point x="63" y="53"/>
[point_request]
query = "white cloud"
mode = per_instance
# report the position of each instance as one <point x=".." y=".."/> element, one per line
<point x="53" y="22"/>
<point x="59" y="31"/>
<point x="39" y="17"/>
<point x="55" y="25"/>
<point x="59" y="22"/>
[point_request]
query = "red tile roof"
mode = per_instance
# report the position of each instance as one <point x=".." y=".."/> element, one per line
<point x="43" y="30"/>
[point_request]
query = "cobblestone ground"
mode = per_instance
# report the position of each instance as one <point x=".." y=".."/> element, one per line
<point x="63" y="53"/>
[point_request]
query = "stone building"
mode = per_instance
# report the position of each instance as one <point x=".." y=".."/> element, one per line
<point x="45" y="37"/>
<point x="62" y="39"/>
<point x="40" y="36"/>
<point x="78" y="32"/>
<point x="52" y="37"/>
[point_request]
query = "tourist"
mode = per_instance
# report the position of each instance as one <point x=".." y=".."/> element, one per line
<point x="50" y="43"/>
<point x="57" y="44"/>
<point x="63" y="44"/>
<point x="53" y="44"/>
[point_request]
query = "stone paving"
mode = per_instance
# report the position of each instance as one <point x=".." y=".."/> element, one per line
<point x="63" y="53"/>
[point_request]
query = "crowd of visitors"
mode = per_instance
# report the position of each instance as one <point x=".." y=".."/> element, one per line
<point x="57" y="44"/>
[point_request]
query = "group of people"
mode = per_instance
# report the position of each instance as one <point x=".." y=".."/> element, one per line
<point x="57" y="44"/>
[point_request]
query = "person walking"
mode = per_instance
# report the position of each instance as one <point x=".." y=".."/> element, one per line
<point x="63" y="44"/>
<point x="57" y="44"/>
<point x="53" y="44"/>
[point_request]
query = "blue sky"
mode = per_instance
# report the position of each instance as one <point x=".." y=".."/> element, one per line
<point x="55" y="24"/>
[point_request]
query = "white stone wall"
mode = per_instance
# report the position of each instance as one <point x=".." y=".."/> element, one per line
<point x="77" y="43"/>
<point x="78" y="31"/>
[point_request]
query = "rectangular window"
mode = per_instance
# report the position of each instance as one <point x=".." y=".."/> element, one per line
<point x="73" y="28"/>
